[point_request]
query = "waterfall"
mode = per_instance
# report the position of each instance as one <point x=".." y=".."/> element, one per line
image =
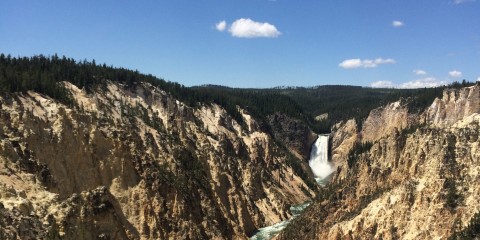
<point x="319" y="158"/>
<point x="321" y="169"/>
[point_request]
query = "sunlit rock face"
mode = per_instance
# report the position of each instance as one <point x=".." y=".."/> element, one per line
<point x="417" y="180"/>
<point x="135" y="163"/>
<point x="344" y="136"/>
<point x="455" y="105"/>
<point x="384" y="121"/>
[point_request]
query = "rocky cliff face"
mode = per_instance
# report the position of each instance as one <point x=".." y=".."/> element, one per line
<point x="344" y="136"/>
<point x="293" y="134"/>
<point x="138" y="164"/>
<point x="454" y="106"/>
<point x="386" y="120"/>
<point x="417" y="180"/>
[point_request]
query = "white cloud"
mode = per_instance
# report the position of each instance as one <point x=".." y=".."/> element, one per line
<point x="422" y="83"/>
<point x="419" y="72"/>
<point x="478" y="79"/>
<point x="397" y="23"/>
<point x="221" y="26"/>
<point x="384" y="61"/>
<point x="455" y="74"/>
<point x="456" y="2"/>
<point x="382" y="84"/>
<point x="427" y="82"/>
<point x="365" y="63"/>
<point x="247" y="28"/>
<point x="351" y="63"/>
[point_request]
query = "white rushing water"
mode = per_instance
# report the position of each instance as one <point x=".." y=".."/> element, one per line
<point x="321" y="169"/>
<point x="271" y="231"/>
<point x="319" y="159"/>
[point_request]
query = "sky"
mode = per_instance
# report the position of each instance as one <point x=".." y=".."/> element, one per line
<point x="257" y="43"/>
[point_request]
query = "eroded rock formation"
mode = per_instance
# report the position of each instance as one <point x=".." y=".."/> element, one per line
<point x="135" y="163"/>
<point x="419" y="179"/>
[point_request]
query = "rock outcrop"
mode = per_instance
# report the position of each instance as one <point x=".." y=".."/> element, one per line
<point x="344" y="137"/>
<point x="453" y="106"/>
<point x="386" y="120"/>
<point x="292" y="133"/>
<point x="419" y="179"/>
<point x="135" y="163"/>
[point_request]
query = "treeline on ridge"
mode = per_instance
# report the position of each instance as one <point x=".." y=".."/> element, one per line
<point x="41" y="74"/>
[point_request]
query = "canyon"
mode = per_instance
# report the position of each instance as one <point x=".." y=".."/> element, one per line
<point x="142" y="160"/>
<point x="138" y="164"/>
<point x="401" y="175"/>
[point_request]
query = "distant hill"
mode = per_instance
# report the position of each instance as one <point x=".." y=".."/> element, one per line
<point x="89" y="151"/>
<point x="40" y="73"/>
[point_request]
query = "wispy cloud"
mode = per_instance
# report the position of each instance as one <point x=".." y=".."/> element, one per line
<point x="426" y="82"/>
<point x="456" y="2"/>
<point x="455" y="74"/>
<point x="221" y="26"/>
<point x="419" y="72"/>
<point x="382" y="84"/>
<point x="247" y="28"/>
<point x="397" y="23"/>
<point x="365" y="63"/>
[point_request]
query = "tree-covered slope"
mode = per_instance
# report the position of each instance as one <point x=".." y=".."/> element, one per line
<point x="40" y="73"/>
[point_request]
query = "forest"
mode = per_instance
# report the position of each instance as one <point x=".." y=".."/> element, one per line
<point x="43" y="74"/>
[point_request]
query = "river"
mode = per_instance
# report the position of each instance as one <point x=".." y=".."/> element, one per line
<point x="321" y="168"/>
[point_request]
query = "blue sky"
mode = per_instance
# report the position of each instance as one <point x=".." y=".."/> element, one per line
<point x="263" y="43"/>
